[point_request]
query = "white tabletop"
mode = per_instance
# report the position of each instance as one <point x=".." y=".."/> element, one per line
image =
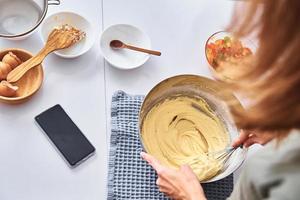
<point x="30" y="167"/>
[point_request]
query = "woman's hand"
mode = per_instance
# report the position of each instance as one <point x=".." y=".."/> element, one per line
<point x="178" y="184"/>
<point x="248" y="138"/>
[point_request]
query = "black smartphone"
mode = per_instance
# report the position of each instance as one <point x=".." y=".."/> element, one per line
<point x="65" y="135"/>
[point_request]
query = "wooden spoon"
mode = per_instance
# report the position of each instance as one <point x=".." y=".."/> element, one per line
<point x="60" y="38"/>
<point x="117" y="44"/>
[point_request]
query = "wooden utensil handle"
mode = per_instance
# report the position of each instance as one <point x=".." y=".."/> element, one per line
<point x="19" y="71"/>
<point x="152" y="52"/>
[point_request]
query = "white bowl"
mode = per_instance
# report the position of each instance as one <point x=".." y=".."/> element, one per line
<point x="124" y="58"/>
<point x="76" y="21"/>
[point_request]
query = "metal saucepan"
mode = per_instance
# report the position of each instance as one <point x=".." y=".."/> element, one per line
<point x="214" y="94"/>
<point x="19" y="18"/>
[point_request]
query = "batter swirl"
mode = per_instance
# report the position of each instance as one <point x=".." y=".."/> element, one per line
<point x="181" y="131"/>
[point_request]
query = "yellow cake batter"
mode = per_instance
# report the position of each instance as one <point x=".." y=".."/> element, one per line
<point x="182" y="130"/>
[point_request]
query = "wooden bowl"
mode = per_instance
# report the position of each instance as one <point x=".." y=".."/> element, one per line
<point x="29" y="84"/>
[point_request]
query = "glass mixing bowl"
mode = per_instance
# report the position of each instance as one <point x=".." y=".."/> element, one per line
<point x="223" y="50"/>
<point x="19" y="18"/>
<point x="214" y="94"/>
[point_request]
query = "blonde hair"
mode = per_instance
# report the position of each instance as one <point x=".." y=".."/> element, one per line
<point x="272" y="80"/>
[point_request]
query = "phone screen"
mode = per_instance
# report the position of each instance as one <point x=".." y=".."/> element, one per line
<point x="65" y="135"/>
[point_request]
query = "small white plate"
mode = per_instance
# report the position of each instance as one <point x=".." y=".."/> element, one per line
<point x="124" y="58"/>
<point x="76" y="21"/>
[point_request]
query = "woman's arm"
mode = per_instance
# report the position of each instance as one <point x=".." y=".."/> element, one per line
<point x="178" y="184"/>
<point x="248" y="138"/>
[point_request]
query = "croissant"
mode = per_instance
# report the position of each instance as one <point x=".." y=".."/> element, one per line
<point x="7" y="89"/>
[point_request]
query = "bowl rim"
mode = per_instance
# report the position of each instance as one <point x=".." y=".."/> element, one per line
<point x="93" y="35"/>
<point x="140" y="121"/>
<point x="33" y="28"/>
<point x="207" y="41"/>
<point x="15" y="99"/>
<point x="131" y="26"/>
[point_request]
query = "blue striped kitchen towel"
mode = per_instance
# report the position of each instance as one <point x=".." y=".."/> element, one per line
<point x="129" y="177"/>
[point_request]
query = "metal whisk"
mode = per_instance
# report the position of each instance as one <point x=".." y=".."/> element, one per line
<point x="223" y="155"/>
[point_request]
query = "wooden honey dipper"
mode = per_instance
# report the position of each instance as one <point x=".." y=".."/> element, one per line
<point x="60" y="38"/>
